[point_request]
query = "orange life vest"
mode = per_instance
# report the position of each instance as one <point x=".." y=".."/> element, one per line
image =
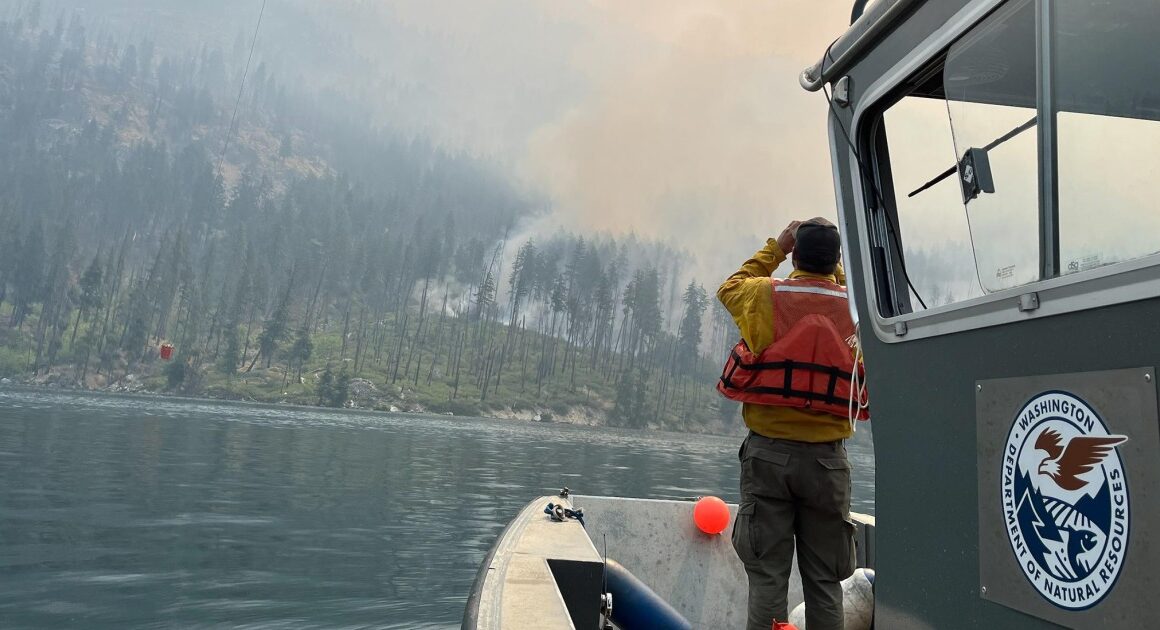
<point x="808" y="366"/>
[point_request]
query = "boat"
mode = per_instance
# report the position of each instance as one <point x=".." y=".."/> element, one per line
<point x="645" y="557"/>
<point x="1016" y="425"/>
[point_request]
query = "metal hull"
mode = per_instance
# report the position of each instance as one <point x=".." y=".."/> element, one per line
<point x="521" y="584"/>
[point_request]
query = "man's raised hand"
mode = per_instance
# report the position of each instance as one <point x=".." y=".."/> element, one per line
<point x="788" y="237"/>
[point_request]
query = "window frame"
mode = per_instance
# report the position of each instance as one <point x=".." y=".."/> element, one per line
<point x="1052" y="294"/>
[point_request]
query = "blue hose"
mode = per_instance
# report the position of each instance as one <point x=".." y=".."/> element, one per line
<point x="635" y="606"/>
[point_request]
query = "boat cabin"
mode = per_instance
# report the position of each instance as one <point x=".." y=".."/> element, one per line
<point x="994" y="167"/>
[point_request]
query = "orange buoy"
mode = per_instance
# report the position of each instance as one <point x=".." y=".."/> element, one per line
<point x="777" y="625"/>
<point x="711" y="515"/>
<point x="166" y="351"/>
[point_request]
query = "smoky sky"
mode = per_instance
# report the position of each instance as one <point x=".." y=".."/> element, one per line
<point x="675" y="120"/>
<point x="678" y="120"/>
<point x="683" y="121"/>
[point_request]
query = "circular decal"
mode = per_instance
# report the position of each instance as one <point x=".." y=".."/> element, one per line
<point x="1065" y="500"/>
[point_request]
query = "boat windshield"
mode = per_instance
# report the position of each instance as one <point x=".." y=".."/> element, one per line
<point x="975" y="147"/>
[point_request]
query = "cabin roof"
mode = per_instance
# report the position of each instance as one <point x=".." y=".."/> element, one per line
<point x="1121" y="83"/>
<point x="870" y="27"/>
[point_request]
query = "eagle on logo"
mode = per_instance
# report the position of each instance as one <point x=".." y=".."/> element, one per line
<point x="1065" y="463"/>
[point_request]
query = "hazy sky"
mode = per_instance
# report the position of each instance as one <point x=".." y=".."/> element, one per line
<point x="676" y="119"/>
<point x="683" y="120"/>
<point x="679" y="120"/>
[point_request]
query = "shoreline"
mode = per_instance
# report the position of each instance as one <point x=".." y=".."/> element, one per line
<point x="577" y="417"/>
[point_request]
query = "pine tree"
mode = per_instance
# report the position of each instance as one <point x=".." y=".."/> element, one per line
<point x="630" y="408"/>
<point x="176" y="372"/>
<point x="333" y="389"/>
<point x="28" y="276"/>
<point x="521" y="279"/>
<point x="135" y="334"/>
<point x="273" y="332"/>
<point x="231" y="354"/>
<point x="92" y="294"/>
<point x="325" y="387"/>
<point x="485" y="295"/>
<point x="301" y="350"/>
<point x="696" y="300"/>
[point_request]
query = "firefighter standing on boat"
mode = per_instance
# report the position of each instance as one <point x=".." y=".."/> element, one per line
<point x="792" y="370"/>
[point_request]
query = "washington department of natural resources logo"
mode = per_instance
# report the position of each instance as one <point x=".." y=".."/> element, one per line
<point x="1065" y="500"/>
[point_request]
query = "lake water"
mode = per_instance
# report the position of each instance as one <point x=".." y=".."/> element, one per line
<point x="120" y="512"/>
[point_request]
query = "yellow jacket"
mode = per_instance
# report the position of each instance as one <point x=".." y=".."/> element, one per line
<point x="749" y="299"/>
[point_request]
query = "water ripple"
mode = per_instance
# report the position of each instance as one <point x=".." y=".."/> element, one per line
<point x="151" y="512"/>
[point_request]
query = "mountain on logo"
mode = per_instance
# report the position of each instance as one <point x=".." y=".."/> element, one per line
<point x="1098" y="508"/>
<point x="1035" y="521"/>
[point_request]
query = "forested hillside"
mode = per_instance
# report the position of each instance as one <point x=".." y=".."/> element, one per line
<point x="293" y="253"/>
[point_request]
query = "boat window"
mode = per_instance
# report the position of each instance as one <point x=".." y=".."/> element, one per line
<point x="1108" y="121"/>
<point x="936" y="243"/>
<point x="999" y="165"/>
<point x="970" y="111"/>
<point x="990" y="90"/>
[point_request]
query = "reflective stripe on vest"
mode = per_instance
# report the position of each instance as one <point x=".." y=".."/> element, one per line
<point x="786" y="288"/>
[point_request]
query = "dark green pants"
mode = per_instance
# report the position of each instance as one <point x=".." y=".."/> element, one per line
<point x="794" y="492"/>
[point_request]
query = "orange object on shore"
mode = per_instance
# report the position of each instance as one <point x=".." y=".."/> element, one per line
<point x="166" y="351"/>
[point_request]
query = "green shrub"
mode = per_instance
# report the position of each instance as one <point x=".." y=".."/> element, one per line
<point x="12" y="362"/>
<point x="459" y="407"/>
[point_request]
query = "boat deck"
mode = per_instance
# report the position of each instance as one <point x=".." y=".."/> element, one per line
<point x="539" y="566"/>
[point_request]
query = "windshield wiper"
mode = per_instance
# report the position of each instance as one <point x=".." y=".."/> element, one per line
<point x="996" y="142"/>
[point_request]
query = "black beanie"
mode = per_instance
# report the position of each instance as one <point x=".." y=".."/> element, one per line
<point x="817" y="245"/>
